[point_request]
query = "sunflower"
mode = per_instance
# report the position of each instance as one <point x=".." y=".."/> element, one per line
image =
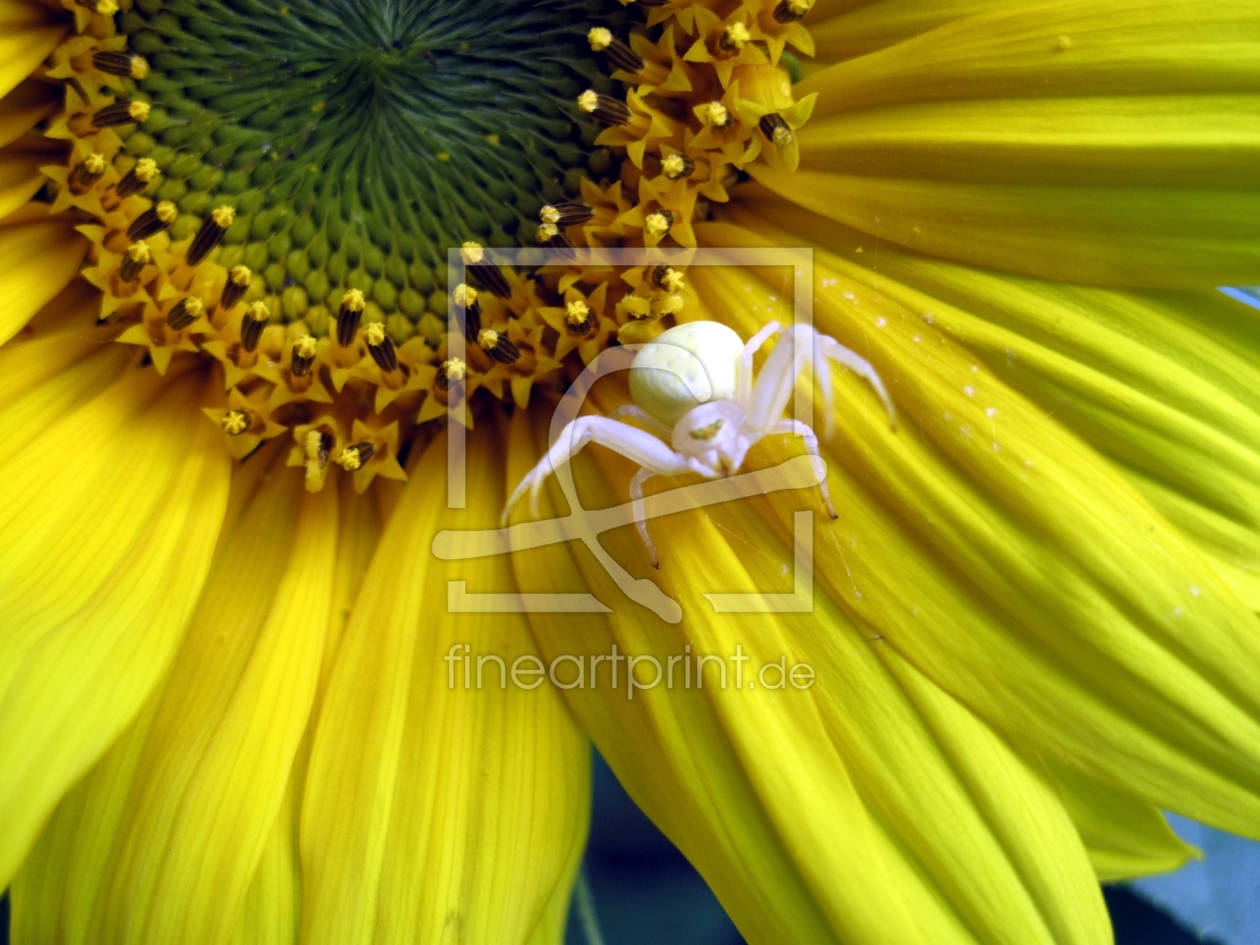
<point x="243" y="700"/>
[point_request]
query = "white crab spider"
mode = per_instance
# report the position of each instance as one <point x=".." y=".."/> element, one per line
<point x="695" y="391"/>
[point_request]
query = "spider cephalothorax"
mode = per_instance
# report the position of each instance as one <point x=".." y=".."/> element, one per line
<point x="702" y="409"/>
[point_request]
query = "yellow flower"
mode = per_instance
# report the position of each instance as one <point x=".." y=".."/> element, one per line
<point x="260" y="680"/>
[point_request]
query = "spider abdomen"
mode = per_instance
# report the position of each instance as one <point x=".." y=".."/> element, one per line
<point x="691" y="364"/>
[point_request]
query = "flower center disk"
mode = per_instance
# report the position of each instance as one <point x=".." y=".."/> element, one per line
<point x="275" y="190"/>
<point x="356" y="141"/>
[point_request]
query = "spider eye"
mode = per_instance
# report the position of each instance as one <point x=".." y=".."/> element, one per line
<point x="684" y="367"/>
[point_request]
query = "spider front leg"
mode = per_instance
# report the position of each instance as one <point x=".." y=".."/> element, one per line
<point x="631" y="442"/>
<point x="811" y="446"/>
<point x="777" y="380"/>
<point x="834" y="351"/>
<point x="744" y="376"/>
<point x="640" y="512"/>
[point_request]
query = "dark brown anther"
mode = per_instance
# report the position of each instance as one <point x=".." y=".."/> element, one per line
<point x="185" y="312"/>
<point x="776" y="129"/>
<point x="485" y="271"/>
<point x="121" y="112"/>
<point x="491" y="279"/>
<point x="210" y="234"/>
<point x="624" y="58"/>
<point x="138" y="178"/>
<point x="734" y="38"/>
<point x="468" y="311"/>
<point x="498" y="346"/>
<point x="237" y="284"/>
<point x="127" y="65"/>
<point x="618" y="54"/>
<point x="561" y="242"/>
<point x="356" y="456"/>
<point x="303" y="356"/>
<point x="577" y="316"/>
<point x="790" y="11"/>
<point x="154" y="220"/>
<point x="252" y="324"/>
<point x="451" y="372"/>
<point x="381" y="347"/>
<point x="86" y="173"/>
<point x="658" y="224"/>
<point x="569" y="213"/>
<point x="348" y="317"/>
<point x="678" y="166"/>
<point x="609" y="110"/>
<point x="133" y="261"/>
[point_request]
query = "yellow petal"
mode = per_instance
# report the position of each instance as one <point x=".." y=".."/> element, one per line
<point x="359" y="535"/>
<point x="41" y="380"/>
<point x="1163" y="384"/>
<point x="271" y="914"/>
<point x="27" y="36"/>
<point x="1024" y="573"/>
<point x="1095" y="142"/>
<point x="58" y="885"/>
<point x="843" y="29"/>
<point x="216" y="763"/>
<point x="696" y="796"/>
<point x="24" y="107"/>
<point x="69" y="873"/>
<point x="96" y="583"/>
<point x="1125" y="838"/>
<point x="429" y="806"/>
<point x="37" y="260"/>
<point x="20" y="176"/>
<point x="551" y="929"/>
<point x="822" y="814"/>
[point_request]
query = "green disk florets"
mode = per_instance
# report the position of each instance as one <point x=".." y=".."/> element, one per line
<point x="358" y="140"/>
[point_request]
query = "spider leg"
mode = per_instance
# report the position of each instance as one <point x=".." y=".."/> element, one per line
<point x="862" y="368"/>
<point x="823" y="373"/>
<point x="777" y="380"/>
<point x="640" y="513"/>
<point x="646" y="472"/>
<point x="774" y="385"/>
<point x="638" y="413"/>
<point x="631" y="442"/>
<point x="744" y="372"/>
<point x="811" y="446"/>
